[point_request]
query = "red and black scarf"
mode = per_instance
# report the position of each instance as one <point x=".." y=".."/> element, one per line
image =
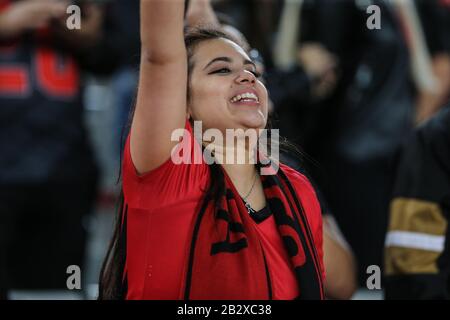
<point x="226" y="259"/>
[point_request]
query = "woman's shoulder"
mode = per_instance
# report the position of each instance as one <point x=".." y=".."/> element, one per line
<point x="300" y="180"/>
<point x="178" y="177"/>
<point x="304" y="189"/>
<point x="310" y="203"/>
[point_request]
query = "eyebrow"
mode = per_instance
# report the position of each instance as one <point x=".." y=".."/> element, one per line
<point x="227" y="59"/>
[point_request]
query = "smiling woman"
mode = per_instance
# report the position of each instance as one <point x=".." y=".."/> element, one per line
<point x="197" y="230"/>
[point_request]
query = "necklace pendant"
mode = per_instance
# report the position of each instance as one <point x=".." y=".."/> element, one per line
<point x="249" y="208"/>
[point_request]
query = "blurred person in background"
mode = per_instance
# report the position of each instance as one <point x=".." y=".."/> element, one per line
<point x="435" y="19"/>
<point x="256" y="20"/>
<point x="417" y="248"/>
<point x="371" y="110"/>
<point x="340" y="265"/>
<point x="126" y="45"/>
<point x="417" y="260"/>
<point x="47" y="170"/>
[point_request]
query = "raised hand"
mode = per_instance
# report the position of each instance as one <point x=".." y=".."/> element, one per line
<point x="27" y="15"/>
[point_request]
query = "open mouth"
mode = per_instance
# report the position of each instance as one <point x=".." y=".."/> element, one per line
<point x="246" y="97"/>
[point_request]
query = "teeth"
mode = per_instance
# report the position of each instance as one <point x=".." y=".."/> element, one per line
<point x="247" y="95"/>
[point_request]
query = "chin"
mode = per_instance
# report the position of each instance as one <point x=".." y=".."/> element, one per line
<point x="253" y="121"/>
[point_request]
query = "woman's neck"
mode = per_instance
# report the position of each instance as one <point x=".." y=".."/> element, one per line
<point x="242" y="176"/>
<point x="238" y="161"/>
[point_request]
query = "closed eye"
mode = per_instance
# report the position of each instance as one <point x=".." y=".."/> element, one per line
<point x="256" y="74"/>
<point x="227" y="70"/>
<point x="221" y="70"/>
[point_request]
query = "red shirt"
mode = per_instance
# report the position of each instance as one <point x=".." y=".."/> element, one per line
<point x="162" y="206"/>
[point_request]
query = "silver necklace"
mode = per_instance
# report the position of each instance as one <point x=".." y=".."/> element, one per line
<point x="247" y="205"/>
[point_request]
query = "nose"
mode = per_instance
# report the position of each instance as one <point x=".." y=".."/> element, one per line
<point x="245" y="76"/>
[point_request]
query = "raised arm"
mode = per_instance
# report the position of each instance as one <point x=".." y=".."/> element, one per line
<point x="161" y="99"/>
<point x="19" y="17"/>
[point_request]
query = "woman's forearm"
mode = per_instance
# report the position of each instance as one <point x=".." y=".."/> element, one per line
<point x="162" y="30"/>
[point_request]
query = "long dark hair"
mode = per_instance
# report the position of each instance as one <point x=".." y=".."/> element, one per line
<point x="112" y="282"/>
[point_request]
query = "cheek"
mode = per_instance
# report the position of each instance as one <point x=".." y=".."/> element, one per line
<point x="265" y="95"/>
<point x="209" y="97"/>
